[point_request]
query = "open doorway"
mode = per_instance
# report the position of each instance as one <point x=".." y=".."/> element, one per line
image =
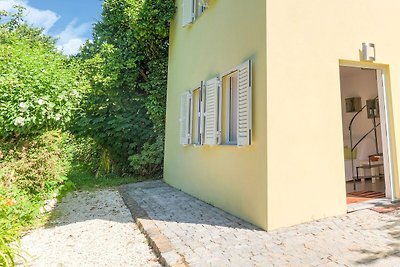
<point x="367" y="170"/>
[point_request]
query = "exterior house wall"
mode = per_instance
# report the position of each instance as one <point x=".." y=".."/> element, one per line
<point x="305" y="41"/>
<point x="294" y="171"/>
<point x="234" y="179"/>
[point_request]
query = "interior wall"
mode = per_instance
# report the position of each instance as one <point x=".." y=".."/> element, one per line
<point x="358" y="82"/>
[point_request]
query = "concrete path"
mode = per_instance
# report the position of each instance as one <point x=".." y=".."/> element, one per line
<point x="186" y="231"/>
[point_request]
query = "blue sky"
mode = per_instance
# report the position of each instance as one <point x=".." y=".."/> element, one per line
<point x="68" y="20"/>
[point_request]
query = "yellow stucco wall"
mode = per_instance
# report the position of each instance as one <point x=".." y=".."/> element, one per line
<point x="231" y="178"/>
<point x="305" y="41"/>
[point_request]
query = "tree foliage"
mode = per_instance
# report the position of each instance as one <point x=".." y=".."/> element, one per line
<point x="127" y="66"/>
<point x="40" y="88"/>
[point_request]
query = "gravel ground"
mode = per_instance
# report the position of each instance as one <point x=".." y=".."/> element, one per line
<point x="89" y="229"/>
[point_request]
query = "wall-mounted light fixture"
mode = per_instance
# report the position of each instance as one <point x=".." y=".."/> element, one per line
<point x="368" y="52"/>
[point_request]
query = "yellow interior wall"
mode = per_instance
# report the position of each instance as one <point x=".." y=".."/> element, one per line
<point x="305" y="41"/>
<point x="231" y="178"/>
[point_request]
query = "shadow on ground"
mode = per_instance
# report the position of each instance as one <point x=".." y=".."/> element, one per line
<point x="80" y="206"/>
<point x="392" y="249"/>
<point x="158" y="201"/>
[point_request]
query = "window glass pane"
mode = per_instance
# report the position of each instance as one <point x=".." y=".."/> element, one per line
<point x="229" y="109"/>
<point x="196" y="117"/>
<point x="233" y="109"/>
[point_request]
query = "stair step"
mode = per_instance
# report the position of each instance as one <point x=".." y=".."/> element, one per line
<point x="370" y="167"/>
<point x="368" y="176"/>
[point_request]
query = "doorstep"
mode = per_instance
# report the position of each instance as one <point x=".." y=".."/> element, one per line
<point x="381" y="205"/>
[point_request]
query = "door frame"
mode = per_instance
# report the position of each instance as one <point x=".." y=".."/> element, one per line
<point x="383" y="86"/>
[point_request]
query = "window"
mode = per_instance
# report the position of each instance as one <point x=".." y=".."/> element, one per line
<point x="219" y="111"/>
<point x="197" y="117"/>
<point x="192" y="9"/>
<point x="235" y="111"/>
<point x="229" y="108"/>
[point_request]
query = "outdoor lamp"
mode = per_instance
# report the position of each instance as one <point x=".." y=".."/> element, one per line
<point x="368" y="51"/>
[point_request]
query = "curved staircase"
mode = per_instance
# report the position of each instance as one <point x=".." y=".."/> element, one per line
<point x="371" y="168"/>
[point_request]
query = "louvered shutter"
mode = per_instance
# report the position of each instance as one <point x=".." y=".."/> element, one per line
<point x="211" y="112"/>
<point x="185" y="119"/>
<point x="187" y="12"/>
<point x="244" y="105"/>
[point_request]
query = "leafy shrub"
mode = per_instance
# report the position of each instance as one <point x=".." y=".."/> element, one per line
<point x="149" y="161"/>
<point x="87" y="152"/>
<point x="95" y="159"/>
<point x="18" y="210"/>
<point x="35" y="164"/>
<point x="40" y="88"/>
<point x="31" y="171"/>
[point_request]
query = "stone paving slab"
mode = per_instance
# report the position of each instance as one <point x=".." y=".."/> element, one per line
<point x="185" y="231"/>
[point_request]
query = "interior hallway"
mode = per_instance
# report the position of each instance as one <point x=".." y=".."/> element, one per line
<point x="365" y="191"/>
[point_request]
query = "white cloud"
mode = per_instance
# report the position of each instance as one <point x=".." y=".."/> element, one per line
<point x="39" y="18"/>
<point x="72" y="46"/>
<point x="70" y="40"/>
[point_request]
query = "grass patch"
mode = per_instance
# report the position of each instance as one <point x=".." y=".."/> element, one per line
<point x="85" y="180"/>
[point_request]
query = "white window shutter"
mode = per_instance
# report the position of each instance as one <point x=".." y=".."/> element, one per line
<point x="244" y="129"/>
<point x="187" y="12"/>
<point x="211" y="112"/>
<point x="186" y="118"/>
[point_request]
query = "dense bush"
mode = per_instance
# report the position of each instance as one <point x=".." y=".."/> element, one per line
<point x="31" y="171"/>
<point x="40" y="91"/>
<point x="40" y="88"/>
<point x="10" y="221"/>
<point x="35" y="165"/>
<point x="127" y="66"/>
<point x="149" y="161"/>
